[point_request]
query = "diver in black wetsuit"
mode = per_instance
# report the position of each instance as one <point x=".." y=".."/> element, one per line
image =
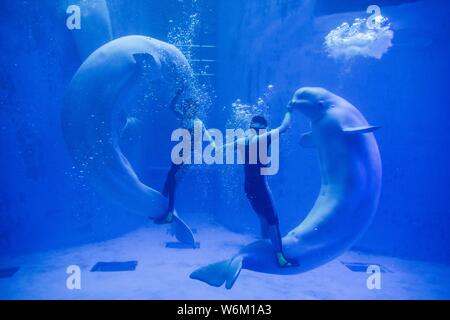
<point x="189" y="120"/>
<point x="257" y="189"/>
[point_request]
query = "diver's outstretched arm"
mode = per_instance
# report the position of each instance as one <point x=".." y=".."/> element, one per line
<point x="275" y="133"/>
<point x="286" y="121"/>
<point x="207" y="137"/>
<point x="239" y="143"/>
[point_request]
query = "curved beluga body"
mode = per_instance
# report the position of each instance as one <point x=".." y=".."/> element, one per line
<point x="125" y="67"/>
<point x="350" y="166"/>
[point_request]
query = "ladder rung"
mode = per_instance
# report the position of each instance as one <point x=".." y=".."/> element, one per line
<point x="203" y="60"/>
<point x="195" y="45"/>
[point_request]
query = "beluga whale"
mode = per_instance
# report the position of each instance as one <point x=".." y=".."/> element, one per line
<point x="121" y="68"/>
<point x="350" y="168"/>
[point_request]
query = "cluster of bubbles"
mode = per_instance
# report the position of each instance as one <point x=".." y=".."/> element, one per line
<point x="240" y="116"/>
<point x="242" y="113"/>
<point x="206" y="70"/>
<point x="365" y="38"/>
<point x="183" y="34"/>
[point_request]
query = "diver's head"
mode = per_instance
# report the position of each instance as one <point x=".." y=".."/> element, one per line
<point x="312" y="102"/>
<point x="258" y="123"/>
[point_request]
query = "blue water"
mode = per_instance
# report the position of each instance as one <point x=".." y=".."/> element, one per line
<point x="247" y="57"/>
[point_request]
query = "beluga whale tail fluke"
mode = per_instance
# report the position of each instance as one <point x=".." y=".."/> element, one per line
<point x="94" y="27"/>
<point x="114" y="71"/>
<point x="350" y="165"/>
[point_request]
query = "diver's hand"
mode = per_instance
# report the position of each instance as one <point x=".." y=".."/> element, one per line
<point x="286" y="122"/>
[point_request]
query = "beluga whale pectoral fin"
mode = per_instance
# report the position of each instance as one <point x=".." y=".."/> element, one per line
<point x="361" y="130"/>
<point x="149" y="64"/>
<point x="307" y="140"/>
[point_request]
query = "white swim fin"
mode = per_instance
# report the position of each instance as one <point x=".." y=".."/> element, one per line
<point x="217" y="274"/>
<point x="182" y="232"/>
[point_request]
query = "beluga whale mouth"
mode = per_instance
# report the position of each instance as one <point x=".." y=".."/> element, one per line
<point x="350" y="165"/>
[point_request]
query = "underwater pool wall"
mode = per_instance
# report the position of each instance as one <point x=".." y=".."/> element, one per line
<point x="45" y="204"/>
<point x="406" y="92"/>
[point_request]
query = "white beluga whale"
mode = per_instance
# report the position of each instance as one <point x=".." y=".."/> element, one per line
<point x="125" y="67"/>
<point x="350" y="167"/>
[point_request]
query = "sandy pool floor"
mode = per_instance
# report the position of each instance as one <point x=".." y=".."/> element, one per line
<point x="163" y="273"/>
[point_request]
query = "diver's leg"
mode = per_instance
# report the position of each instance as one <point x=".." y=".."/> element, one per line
<point x="169" y="192"/>
<point x="178" y="227"/>
<point x="254" y="202"/>
<point x="172" y="187"/>
<point x="170" y="183"/>
<point x="275" y="237"/>
<point x="264" y="227"/>
<point x="258" y="201"/>
<point x="268" y="210"/>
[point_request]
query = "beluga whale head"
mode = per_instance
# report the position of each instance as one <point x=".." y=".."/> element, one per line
<point x="313" y="102"/>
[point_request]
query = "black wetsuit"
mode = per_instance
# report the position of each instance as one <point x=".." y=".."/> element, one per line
<point x="256" y="187"/>
<point x="171" y="184"/>
<point x="171" y="180"/>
